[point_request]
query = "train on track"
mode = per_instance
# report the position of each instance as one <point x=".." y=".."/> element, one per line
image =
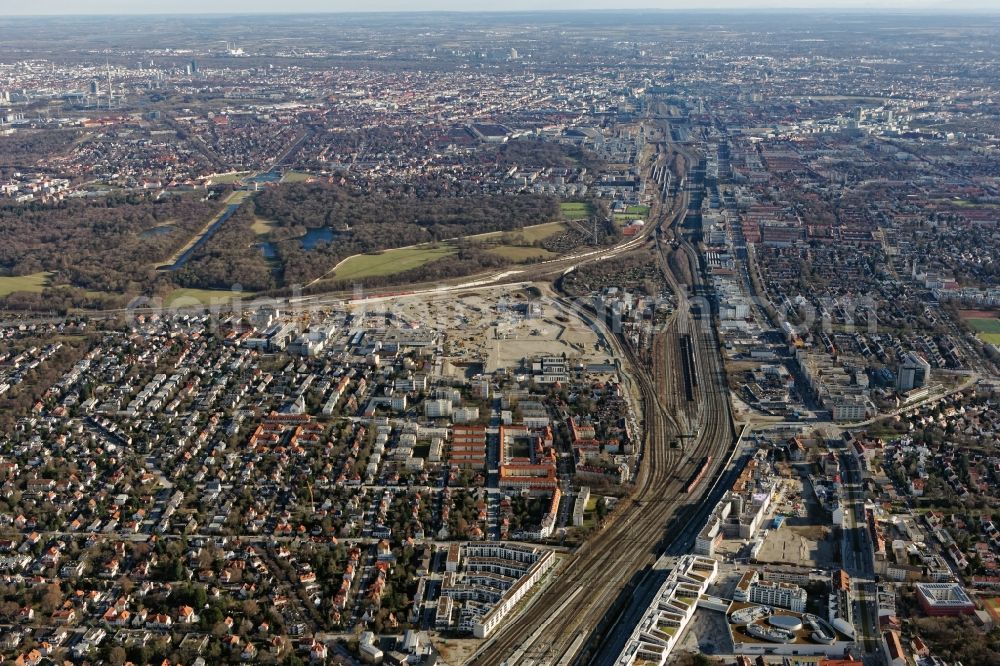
<point x="699" y="474"/>
<point x="687" y="365"/>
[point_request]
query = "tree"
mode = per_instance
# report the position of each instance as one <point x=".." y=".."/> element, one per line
<point x="200" y="597"/>
<point x="117" y="656"/>
<point x="210" y="617"/>
<point x="52" y="598"/>
<point x="177" y="571"/>
<point x="126" y="584"/>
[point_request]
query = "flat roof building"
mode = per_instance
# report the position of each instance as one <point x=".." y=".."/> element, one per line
<point x="937" y="599"/>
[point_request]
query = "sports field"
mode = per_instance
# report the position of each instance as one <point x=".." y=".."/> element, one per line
<point x="988" y="329"/>
<point x="992" y="607"/>
<point x="36" y="283"/>
<point x="390" y="262"/>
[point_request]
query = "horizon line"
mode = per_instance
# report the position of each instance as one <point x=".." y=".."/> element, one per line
<point x="894" y="11"/>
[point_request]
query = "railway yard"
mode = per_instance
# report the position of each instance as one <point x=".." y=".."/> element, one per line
<point x="689" y="435"/>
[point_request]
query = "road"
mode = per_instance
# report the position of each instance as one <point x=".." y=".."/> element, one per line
<point x="858" y="557"/>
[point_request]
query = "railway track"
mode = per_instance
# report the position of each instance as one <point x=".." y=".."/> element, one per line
<point x="602" y="568"/>
<point x="566" y="622"/>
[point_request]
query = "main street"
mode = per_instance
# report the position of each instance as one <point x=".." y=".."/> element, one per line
<point x="858" y="557"/>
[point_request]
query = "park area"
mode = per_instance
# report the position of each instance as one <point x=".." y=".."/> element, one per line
<point x="515" y="246"/>
<point x="189" y="297"/>
<point x="986" y="324"/>
<point x="35" y="283"/>
<point x="390" y="262"/>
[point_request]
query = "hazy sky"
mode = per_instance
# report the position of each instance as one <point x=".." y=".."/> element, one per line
<point x="245" y="6"/>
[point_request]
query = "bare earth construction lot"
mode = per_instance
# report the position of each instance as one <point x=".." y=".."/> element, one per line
<point x="492" y="327"/>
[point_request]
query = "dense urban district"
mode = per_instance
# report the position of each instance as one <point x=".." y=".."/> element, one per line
<point x="609" y="338"/>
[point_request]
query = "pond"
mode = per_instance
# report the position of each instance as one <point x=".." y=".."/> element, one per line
<point x="272" y="176"/>
<point x="267" y="249"/>
<point x="309" y="241"/>
<point x="314" y="237"/>
<point x="157" y="231"/>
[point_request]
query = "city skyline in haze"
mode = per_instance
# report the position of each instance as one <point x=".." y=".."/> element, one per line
<point x="83" y="7"/>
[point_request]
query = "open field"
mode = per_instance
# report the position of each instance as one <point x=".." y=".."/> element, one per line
<point x="632" y="213"/>
<point x="542" y="231"/>
<point x="977" y="314"/>
<point x="575" y="210"/>
<point x="36" y="282"/>
<point x="189" y="297"/>
<point x="229" y="178"/>
<point x="530" y="234"/>
<point x="521" y="254"/>
<point x="238" y="197"/>
<point x="390" y="262"/>
<point x="985" y="325"/>
<point x="402" y="259"/>
<point x="987" y="328"/>
<point x="261" y="227"/>
<point x="295" y="177"/>
<point x="522" y="249"/>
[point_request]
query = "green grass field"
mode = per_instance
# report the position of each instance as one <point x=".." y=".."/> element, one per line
<point x="295" y="177"/>
<point x="403" y="259"/>
<point x="521" y="254"/>
<point x="390" y="262"/>
<point x="229" y="178"/>
<point x="988" y="329"/>
<point x="238" y="197"/>
<point x="631" y="214"/>
<point x="542" y="231"/>
<point x="985" y="325"/>
<point x="575" y="210"/>
<point x="529" y="234"/>
<point x="185" y="297"/>
<point x="36" y="282"/>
